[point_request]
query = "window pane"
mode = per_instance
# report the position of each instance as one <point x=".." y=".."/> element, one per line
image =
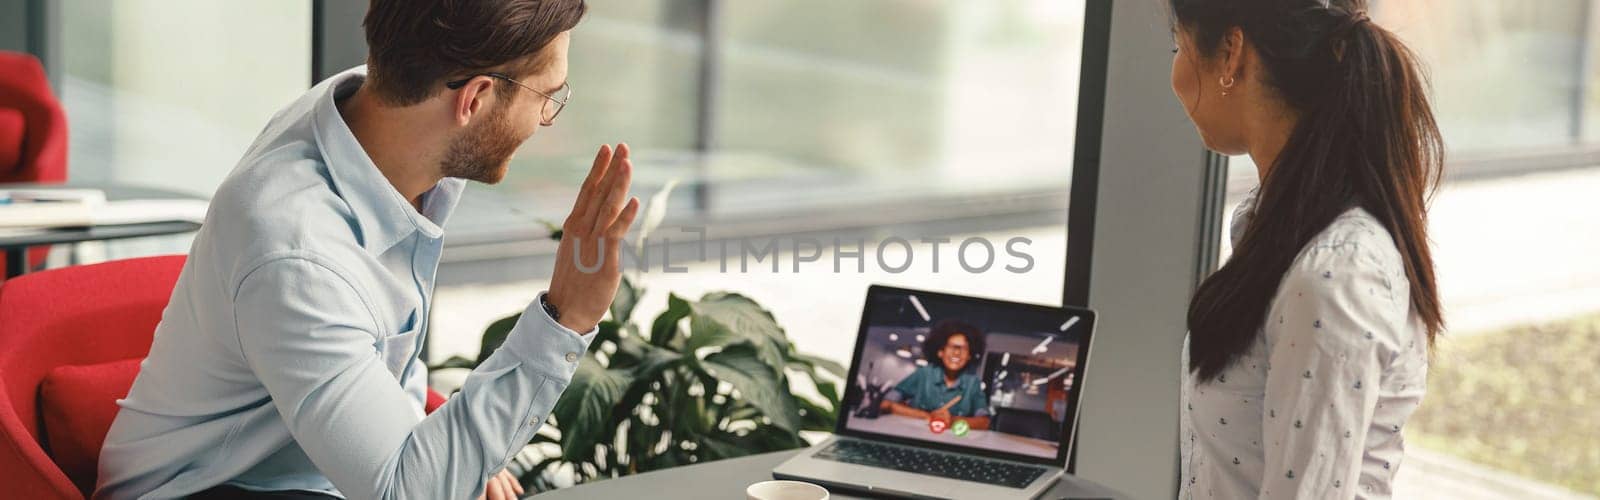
<point x="1514" y="253"/>
<point x="142" y="111"/>
<point x="1506" y="74"/>
<point x="632" y="71"/>
<point x="864" y="121"/>
<point x="1514" y="84"/>
<point x="811" y="105"/>
<point x="957" y="97"/>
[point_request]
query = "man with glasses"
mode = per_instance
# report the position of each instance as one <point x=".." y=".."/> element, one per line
<point x="286" y="364"/>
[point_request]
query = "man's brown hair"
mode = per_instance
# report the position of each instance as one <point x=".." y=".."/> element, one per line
<point x="415" y="45"/>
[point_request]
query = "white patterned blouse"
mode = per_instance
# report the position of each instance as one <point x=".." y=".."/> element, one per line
<point x="1315" y="408"/>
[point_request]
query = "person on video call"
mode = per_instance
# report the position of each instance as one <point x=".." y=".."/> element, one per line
<point x="286" y="364"/>
<point x="944" y="389"/>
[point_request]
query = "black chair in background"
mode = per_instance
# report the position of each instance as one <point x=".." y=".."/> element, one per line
<point x="1034" y="424"/>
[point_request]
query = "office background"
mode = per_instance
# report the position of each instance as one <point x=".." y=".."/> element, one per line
<point x="871" y="119"/>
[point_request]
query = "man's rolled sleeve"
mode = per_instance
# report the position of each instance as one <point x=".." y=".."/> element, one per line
<point x="542" y="346"/>
<point x="545" y="345"/>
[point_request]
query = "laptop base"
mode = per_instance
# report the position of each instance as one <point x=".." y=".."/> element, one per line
<point x="894" y="483"/>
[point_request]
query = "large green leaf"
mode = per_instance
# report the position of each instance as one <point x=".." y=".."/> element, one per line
<point x="671" y="458"/>
<point x="584" y="411"/>
<point x="455" y="362"/>
<point x="652" y="362"/>
<point x="553" y="228"/>
<point x="630" y="351"/>
<point x="722" y="319"/>
<point x="495" y="335"/>
<point x="816" y="418"/>
<point x="720" y="446"/>
<point x="830" y="391"/>
<point x="772" y="438"/>
<point x="626" y="299"/>
<point x="665" y="327"/>
<point x="606" y="331"/>
<point x="688" y="416"/>
<point x="761" y="439"/>
<point x="758" y="383"/>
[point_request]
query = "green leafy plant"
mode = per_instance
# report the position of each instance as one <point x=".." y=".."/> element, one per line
<point x="710" y="379"/>
<point x="705" y="380"/>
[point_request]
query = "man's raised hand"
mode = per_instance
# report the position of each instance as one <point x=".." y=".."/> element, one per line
<point x="588" y="262"/>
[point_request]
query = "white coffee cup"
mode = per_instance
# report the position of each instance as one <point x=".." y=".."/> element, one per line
<point x="785" y="490"/>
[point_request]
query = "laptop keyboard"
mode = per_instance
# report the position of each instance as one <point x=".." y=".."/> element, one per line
<point x="909" y="459"/>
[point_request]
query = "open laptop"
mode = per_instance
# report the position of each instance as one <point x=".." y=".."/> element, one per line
<point x="954" y="397"/>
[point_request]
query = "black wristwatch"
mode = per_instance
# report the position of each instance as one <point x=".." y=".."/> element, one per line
<point x="549" y="308"/>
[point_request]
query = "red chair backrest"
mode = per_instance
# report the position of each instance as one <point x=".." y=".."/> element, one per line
<point x="24" y="87"/>
<point x="70" y="316"/>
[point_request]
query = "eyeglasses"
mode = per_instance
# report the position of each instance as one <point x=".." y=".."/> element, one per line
<point x="546" y="117"/>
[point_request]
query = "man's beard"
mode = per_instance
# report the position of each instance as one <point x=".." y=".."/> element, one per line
<point x="482" y="155"/>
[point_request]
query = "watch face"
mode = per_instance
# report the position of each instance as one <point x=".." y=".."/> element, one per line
<point x="549" y="308"/>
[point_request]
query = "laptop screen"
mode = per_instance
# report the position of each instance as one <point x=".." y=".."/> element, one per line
<point x="958" y="372"/>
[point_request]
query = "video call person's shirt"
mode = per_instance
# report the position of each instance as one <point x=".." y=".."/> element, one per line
<point x="287" y="358"/>
<point x="925" y="389"/>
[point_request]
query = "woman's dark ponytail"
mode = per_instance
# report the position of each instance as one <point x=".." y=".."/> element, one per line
<point x="1366" y="137"/>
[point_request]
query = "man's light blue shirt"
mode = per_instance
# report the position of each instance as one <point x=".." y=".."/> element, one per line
<point x="288" y="356"/>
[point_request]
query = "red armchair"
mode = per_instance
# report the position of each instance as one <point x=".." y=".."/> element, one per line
<point x="56" y="328"/>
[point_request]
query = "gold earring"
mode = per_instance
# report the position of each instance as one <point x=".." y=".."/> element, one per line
<point x="1227" y="82"/>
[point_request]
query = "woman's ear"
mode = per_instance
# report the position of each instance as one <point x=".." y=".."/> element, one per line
<point x="1233" y="52"/>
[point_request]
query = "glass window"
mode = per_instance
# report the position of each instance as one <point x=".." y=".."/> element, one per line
<point x="139" y="108"/>
<point x="1506" y="74"/>
<point x="954" y="98"/>
<point x="1516" y="94"/>
<point x="789" y="122"/>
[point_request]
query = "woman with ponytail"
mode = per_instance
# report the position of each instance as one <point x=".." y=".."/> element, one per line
<point x="1309" y="348"/>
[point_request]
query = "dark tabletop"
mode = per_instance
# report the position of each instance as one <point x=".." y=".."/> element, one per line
<point x="728" y="479"/>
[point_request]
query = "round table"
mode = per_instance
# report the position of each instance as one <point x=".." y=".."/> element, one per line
<point x="16" y="245"/>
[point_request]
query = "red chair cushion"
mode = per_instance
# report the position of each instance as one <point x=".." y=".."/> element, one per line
<point x="12" y="128"/>
<point x="435" y="400"/>
<point x="79" y="403"/>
